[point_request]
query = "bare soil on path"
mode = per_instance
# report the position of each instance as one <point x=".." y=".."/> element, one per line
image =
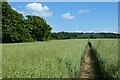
<point x="89" y="68"/>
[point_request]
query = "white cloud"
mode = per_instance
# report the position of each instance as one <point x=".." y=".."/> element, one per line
<point x="107" y="31"/>
<point x="21" y="12"/>
<point x="90" y="31"/>
<point x="78" y="31"/>
<point x="67" y="16"/>
<point x="24" y="13"/>
<point x="83" y="11"/>
<point x="14" y="9"/>
<point x="38" y="9"/>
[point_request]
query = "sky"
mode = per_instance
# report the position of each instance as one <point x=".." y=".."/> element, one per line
<point x="73" y="16"/>
<point x="63" y="0"/>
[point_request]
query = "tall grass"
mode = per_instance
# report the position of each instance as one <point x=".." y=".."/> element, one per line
<point x="0" y="61"/>
<point x="53" y="59"/>
<point x="107" y="53"/>
<point x="57" y="58"/>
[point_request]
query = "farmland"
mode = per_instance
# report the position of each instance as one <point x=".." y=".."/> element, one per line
<point x="56" y="58"/>
<point x="43" y="59"/>
<point x="107" y="53"/>
<point x="34" y="46"/>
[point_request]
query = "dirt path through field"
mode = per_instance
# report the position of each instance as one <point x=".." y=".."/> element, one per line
<point x="89" y="67"/>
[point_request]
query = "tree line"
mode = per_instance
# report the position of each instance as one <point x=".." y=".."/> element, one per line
<point x="15" y="28"/>
<point x="77" y="35"/>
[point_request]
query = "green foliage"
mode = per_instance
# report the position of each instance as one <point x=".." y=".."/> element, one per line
<point x="16" y="29"/>
<point x="11" y="24"/>
<point x="107" y="53"/>
<point x="38" y="27"/>
<point x="0" y="22"/>
<point x="75" y="35"/>
<point x="53" y="59"/>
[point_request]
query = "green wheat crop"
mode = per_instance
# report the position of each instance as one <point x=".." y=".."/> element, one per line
<point x="107" y="53"/>
<point x="52" y="59"/>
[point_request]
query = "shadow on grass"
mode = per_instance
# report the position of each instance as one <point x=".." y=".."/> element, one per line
<point x="104" y="75"/>
<point x="95" y="63"/>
